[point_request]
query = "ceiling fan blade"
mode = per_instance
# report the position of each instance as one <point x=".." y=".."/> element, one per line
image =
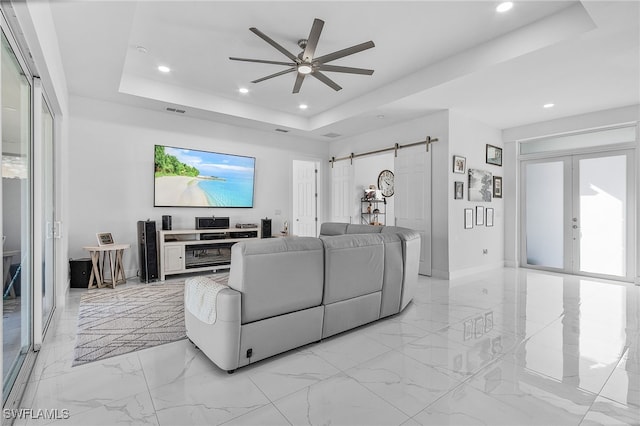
<point x="312" y="41"/>
<point x="269" y="40"/>
<point x="350" y="70"/>
<point x="274" y="75"/>
<point x="344" y="52"/>
<point x="326" y="80"/>
<point x="298" y="84"/>
<point x="261" y="61"/>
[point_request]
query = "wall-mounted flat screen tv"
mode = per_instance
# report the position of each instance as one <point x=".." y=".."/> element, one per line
<point x="192" y="178"/>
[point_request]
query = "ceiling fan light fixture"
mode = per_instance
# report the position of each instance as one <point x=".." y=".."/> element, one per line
<point x="305" y="68"/>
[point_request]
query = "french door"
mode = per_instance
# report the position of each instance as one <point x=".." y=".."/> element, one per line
<point x="578" y="214"/>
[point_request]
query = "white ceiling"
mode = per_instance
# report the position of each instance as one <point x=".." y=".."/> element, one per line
<point x="429" y="55"/>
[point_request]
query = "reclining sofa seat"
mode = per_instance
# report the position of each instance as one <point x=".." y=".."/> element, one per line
<point x="288" y="292"/>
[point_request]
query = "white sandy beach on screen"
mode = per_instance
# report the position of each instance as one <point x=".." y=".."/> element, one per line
<point x="179" y="191"/>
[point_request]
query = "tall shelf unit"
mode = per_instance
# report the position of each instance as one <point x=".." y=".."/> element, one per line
<point x="373" y="211"/>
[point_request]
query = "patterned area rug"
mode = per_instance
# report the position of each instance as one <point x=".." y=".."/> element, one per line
<point x="118" y="321"/>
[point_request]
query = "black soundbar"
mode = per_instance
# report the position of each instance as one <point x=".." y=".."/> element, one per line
<point x="212" y="222"/>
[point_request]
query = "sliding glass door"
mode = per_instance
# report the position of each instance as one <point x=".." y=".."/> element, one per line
<point x="16" y="214"/>
<point x="578" y="214"/>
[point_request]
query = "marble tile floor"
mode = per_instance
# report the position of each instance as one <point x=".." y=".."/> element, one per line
<point x="508" y="347"/>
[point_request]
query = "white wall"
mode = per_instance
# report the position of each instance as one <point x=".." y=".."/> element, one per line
<point x="592" y="120"/>
<point x="468" y="138"/>
<point x="111" y="170"/>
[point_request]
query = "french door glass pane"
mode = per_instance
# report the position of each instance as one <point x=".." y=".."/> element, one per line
<point x="603" y="207"/>
<point x="16" y="214"/>
<point x="545" y="214"/>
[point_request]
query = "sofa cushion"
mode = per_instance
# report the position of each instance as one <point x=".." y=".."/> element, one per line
<point x="353" y="266"/>
<point x="363" y="229"/>
<point x="333" y="228"/>
<point x="277" y="275"/>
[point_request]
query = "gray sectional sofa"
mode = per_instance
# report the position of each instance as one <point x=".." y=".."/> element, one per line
<point x="284" y="293"/>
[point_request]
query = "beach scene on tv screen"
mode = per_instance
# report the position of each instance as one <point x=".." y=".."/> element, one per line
<point x="190" y="178"/>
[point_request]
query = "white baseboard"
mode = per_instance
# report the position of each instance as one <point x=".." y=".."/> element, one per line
<point x="477" y="269"/>
<point x="436" y="273"/>
<point x="510" y="264"/>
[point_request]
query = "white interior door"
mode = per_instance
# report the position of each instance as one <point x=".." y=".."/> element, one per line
<point x="305" y="198"/>
<point x="342" y="192"/>
<point x="413" y="197"/>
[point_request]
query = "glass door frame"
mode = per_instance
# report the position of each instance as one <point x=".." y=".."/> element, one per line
<point x="40" y="232"/>
<point x="19" y="376"/>
<point x="33" y="278"/>
<point x="571" y="248"/>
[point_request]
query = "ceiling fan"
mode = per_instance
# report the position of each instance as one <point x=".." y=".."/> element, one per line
<point x="305" y="63"/>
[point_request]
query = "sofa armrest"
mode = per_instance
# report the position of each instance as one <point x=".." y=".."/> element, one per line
<point x="219" y="341"/>
<point x="412" y="247"/>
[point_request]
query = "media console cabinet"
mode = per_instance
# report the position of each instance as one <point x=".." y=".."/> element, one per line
<point x="195" y="250"/>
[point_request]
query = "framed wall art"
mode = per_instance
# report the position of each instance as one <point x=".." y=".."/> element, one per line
<point x="497" y="187"/>
<point x="494" y="155"/>
<point x="468" y="218"/>
<point x="458" y="190"/>
<point x="479" y="215"/>
<point x="480" y="185"/>
<point x="489" y="220"/>
<point x="459" y="164"/>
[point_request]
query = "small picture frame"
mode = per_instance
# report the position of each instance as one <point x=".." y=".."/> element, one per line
<point x="468" y="218"/>
<point x="494" y="155"/>
<point x="468" y="330"/>
<point x="488" y="322"/>
<point x="497" y="187"/>
<point x="478" y="326"/>
<point x="459" y="164"/>
<point x="458" y="190"/>
<point x="104" y="238"/>
<point x="489" y="221"/>
<point x="479" y="215"/>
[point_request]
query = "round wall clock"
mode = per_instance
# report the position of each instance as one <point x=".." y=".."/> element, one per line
<point x="385" y="183"/>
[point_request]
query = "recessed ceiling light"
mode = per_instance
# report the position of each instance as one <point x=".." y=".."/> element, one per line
<point x="243" y="90"/>
<point x="504" y="6"/>
<point x="380" y="116"/>
<point x="303" y="106"/>
<point x="548" y="105"/>
<point x="163" y="68"/>
<point x="141" y="49"/>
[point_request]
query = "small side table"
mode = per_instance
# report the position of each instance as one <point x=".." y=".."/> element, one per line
<point x="114" y="253"/>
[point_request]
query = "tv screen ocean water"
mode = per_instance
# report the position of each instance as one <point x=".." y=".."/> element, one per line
<point x="194" y="178"/>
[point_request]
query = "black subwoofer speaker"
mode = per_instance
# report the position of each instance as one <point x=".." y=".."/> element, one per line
<point x="148" y="250"/>
<point x="80" y="272"/>
<point x="266" y="227"/>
